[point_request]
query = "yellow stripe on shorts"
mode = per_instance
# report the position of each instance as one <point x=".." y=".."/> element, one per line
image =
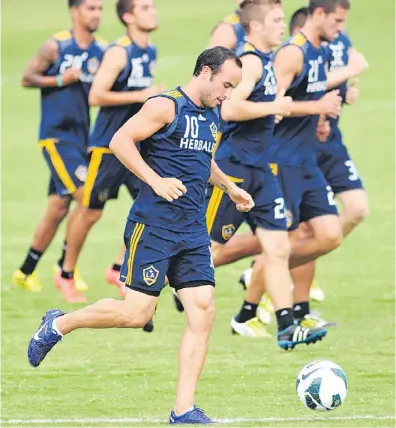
<point x="215" y="201"/>
<point x="93" y="169"/>
<point x="136" y="235"/>
<point x="58" y="164"/>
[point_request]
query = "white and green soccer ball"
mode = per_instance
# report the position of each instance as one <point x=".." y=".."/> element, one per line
<point x="322" y="385"/>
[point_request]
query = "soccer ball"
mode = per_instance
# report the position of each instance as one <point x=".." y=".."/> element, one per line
<point x="322" y="385"/>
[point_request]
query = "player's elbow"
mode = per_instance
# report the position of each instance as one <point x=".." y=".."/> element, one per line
<point x="228" y="111"/>
<point x="94" y="99"/>
<point x="115" y="143"/>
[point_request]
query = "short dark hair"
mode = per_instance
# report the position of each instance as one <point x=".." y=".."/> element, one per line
<point x="75" y="3"/>
<point x="328" y="5"/>
<point x="298" y="19"/>
<point x="254" y="10"/>
<point x="124" y="6"/>
<point x="214" y="58"/>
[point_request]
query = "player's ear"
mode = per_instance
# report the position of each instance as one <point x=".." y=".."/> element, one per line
<point x="206" y="71"/>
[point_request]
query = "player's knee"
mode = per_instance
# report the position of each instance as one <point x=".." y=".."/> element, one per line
<point x="135" y="319"/>
<point x="91" y="216"/>
<point x="205" y="304"/>
<point x="330" y="239"/>
<point x="58" y="210"/>
<point x="357" y="213"/>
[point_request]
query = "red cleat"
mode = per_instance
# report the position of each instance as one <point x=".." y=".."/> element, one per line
<point x="68" y="289"/>
<point x="113" y="278"/>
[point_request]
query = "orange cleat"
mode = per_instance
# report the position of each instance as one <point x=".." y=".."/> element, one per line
<point x="113" y="278"/>
<point x="68" y="289"/>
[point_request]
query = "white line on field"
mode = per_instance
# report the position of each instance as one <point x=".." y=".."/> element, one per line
<point x="157" y="420"/>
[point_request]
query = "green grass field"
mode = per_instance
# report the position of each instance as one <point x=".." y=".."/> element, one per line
<point x="116" y="378"/>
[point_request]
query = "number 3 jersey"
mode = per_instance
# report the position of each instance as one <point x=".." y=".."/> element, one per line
<point x="65" y="110"/>
<point x="182" y="150"/>
<point x="294" y="137"/>
<point x="136" y="76"/>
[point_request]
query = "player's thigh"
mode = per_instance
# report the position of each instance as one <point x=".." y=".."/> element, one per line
<point x="147" y="257"/>
<point x="290" y="179"/>
<point x="140" y="305"/>
<point x="340" y="170"/>
<point x="104" y="177"/>
<point x="193" y="265"/>
<point x="58" y="206"/>
<point x="275" y="244"/>
<point x="222" y="217"/>
<point x="67" y="164"/>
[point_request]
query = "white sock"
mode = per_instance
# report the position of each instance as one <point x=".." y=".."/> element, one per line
<point x="188" y="410"/>
<point x="55" y="327"/>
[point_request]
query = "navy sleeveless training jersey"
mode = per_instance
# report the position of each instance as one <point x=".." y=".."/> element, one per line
<point x="65" y="110"/>
<point x="295" y="136"/>
<point x="249" y="142"/>
<point x="337" y="57"/>
<point x="137" y="75"/>
<point x="182" y="150"/>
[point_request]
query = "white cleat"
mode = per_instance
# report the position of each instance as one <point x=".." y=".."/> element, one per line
<point x="251" y="328"/>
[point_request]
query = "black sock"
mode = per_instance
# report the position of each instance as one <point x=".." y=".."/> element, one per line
<point x="116" y="267"/>
<point x="31" y="261"/>
<point x="62" y="259"/>
<point x="247" y="312"/>
<point x="284" y="318"/>
<point x="300" y="310"/>
<point x="67" y="275"/>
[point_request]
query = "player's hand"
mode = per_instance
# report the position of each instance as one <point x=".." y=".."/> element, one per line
<point x="243" y="201"/>
<point x="357" y="63"/>
<point x="330" y="104"/>
<point x="71" y="75"/>
<point x="352" y="94"/>
<point x="323" y="129"/>
<point x="151" y="91"/>
<point x="283" y="106"/>
<point x="169" y="188"/>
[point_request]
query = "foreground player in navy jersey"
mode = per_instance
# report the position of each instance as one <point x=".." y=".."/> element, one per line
<point x="166" y="233"/>
<point x="63" y="69"/>
<point x="123" y="82"/>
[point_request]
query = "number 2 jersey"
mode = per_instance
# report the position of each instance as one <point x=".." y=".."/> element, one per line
<point x="65" y="109"/>
<point x="183" y="150"/>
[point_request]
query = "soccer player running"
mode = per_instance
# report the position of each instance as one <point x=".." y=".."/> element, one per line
<point x="334" y="161"/>
<point x="63" y="69"/>
<point x="166" y="231"/>
<point x="300" y="66"/>
<point x="244" y="154"/>
<point x="123" y="82"/>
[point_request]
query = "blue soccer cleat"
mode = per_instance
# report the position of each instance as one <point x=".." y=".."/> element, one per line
<point x="44" y="339"/>
<point x="297" y="335"/>
<point x="194" y="416"/>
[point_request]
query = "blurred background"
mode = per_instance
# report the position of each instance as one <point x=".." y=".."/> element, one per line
<point x="122" y="373"/>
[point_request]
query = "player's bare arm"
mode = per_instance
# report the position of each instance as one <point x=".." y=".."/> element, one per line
<point x="33" y="76"/>
<point x="154" y="115"/>
<point x="239" y="109"/>
<point x="242" y="199"/>
<point x="357" y="64"/>
<point x="114" y="61"/>
<point x="223" y="35"/>
<point x="288" y="64"/>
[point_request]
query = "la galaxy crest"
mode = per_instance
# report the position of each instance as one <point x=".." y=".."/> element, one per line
<point x="150" y="275"/>
<point x="227" y="231"/>
<point x="213" y="130"/>
<point x="93" y="65"/>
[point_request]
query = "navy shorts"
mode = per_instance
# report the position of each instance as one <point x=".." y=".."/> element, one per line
<point x="338" y="168"/>
<point x="67" y="163"/>
<point x="222" y="217"/>
<point x="152" y="253"/>
<point x="307" y="194"/>
<point x="106" y="174"/>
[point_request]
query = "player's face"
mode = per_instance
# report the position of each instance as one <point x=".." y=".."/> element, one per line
<point x="333" y="23"/>
<point x="273" y="29"/>
<point x="88" y="14"/>
<point x="217" y="87"/>
<point x="145" y="15"/>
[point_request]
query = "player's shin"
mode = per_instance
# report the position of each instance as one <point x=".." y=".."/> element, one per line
<point x="303" y="277"/>
<point x="275" y="273"/>
<point x="200" y="312"/>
